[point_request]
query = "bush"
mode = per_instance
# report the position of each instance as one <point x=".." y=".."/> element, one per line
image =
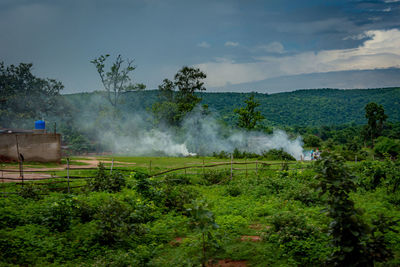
<point x="216" y="176"/>
<point x="58" y="215"/>
<point x="104" y="181"/>
<point x="311" y="140"/>
<point x="221" y="155"/>
<point x="385" y="145"/>
<point x="29" y="190"/>
<point x="233" y="190"/>
<point x="304" y="242"/>
<point x="176" y="197"/>
<point x="118" y="222"/>
<point x="277" y="154"/>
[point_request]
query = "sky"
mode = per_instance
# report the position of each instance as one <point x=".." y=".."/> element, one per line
<point x="237" y="43"/>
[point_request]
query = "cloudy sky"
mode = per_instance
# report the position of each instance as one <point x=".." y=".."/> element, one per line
<point x="234" y="41"/>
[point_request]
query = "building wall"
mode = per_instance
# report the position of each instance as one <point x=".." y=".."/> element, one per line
<point x="34" y="147"/>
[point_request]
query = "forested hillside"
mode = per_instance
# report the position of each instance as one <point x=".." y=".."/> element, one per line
<point x="303" y="107"/>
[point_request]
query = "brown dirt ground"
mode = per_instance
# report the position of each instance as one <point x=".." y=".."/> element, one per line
<point x="228" y="263"/>
<point x="252" y="238"/>
<point x="92" y="163"/>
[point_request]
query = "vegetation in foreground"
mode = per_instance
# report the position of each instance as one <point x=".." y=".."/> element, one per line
<point x="275" y="217"/>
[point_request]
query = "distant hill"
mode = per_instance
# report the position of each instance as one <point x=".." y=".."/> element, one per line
<point x="314" y="107"/>
<point x="360" y="79"/>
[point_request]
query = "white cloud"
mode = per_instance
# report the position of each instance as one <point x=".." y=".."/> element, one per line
<point x="356" y="37"/>
<point x="274" y="47"/>
<point x="381" y="50"/>
<point x="204" y="45"/>
<point x="233" y="44"/>
<point x="391" y="1"/>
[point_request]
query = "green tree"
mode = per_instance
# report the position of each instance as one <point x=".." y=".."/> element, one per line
<point x="117" y="80"/>
<point x="355" y="243"/>
<point x="24" y="96"/>
<point x="177" y="98"/>
<point x="376" y="117"/>
<point x="203" y="221"/>
<point x="311" y="140"/>
<point x="387" y="145"/>
<point x="248" y="116"/>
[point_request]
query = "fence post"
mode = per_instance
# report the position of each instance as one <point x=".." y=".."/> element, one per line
<point x="231" y="166"/>
<point x="150" y="167"/>
<point x="246" y="166"/>
<point x="256" y="167"/>
<point x="20" y="159"/>
<point x="203" y="170"/>
<point x="112" y="165"/>
<point x="68" y="174"/>
<point x="355" y="158"/>
<point x="2" y="179"/>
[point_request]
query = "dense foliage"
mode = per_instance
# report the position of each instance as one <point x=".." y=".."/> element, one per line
<point x="198" y="219"/>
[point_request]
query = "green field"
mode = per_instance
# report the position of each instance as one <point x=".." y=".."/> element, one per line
<point x="271" y="215"/>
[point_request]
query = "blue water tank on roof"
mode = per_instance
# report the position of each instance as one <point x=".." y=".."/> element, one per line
<point x="40" y="125"/>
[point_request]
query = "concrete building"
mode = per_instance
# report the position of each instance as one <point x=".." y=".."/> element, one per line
<point x="32" y="145"/>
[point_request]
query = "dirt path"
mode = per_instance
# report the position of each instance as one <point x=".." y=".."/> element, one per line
<point x="36" y="173"/>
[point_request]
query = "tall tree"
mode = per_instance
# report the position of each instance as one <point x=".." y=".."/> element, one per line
<point x="248" y="116"/>
<point x="117" y="80"/>
<point x="177" y="98"/>
<point x="355" y="243"/>
<point x="24" y="96"/>
<point x="376" y="117"/>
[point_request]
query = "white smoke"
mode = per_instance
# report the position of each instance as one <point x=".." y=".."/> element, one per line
<point x="199" y="134"/>
<point x="205" y="135"/>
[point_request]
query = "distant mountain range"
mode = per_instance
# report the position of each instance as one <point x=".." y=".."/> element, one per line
<point x="302" y="107"/>
<point x="359" y="79"/>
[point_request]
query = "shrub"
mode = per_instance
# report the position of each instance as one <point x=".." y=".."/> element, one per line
<point x="221" y="155"/>
<point x="176" y="197"/>
<point x="104" y="181"/>
<point x="58" y="215"/>
<point x="233" y="190"/>
<point x="311" y="140"/>
<point x="117" y="222"/>
<point x="304" y="242"/>
<point x="216" y="176"/>
<point x="30" y="190"/>
<point x="277" y="154"/>
<point x="385" y="145"/>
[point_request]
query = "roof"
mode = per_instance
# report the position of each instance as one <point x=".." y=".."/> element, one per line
<point x="11" y="131"/>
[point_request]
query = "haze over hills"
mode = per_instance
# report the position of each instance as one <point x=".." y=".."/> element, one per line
<point x="302" y="107"/>
<point x="354" y="79"/>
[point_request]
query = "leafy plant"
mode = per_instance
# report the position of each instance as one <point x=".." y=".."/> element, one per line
<point x="203" y="221"/>
<point x="58" y="215"/>
<point x="29" y="190"/>
<point x="118" y="222"/>
<point x="305" y="242"/>
<point x="105" y="181"/>
<point x="216" y="176"/>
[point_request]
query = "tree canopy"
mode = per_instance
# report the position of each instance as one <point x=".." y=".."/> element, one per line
<point x="177" y="98"/>
<point x="248" y="116"/>
<point x="24" y="96"/>
<point x="376" y="117"/>
<point x="117" y="80"/>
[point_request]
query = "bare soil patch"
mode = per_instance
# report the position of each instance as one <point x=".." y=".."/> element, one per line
<point x="37" y="174"/>
<point x="252" y="238"/>
<point x="228" y="263"/>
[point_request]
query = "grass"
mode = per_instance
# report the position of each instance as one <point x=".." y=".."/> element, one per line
<point x="246" y="205"/>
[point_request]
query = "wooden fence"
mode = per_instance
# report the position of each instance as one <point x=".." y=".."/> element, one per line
<point x="68" y="179"/>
